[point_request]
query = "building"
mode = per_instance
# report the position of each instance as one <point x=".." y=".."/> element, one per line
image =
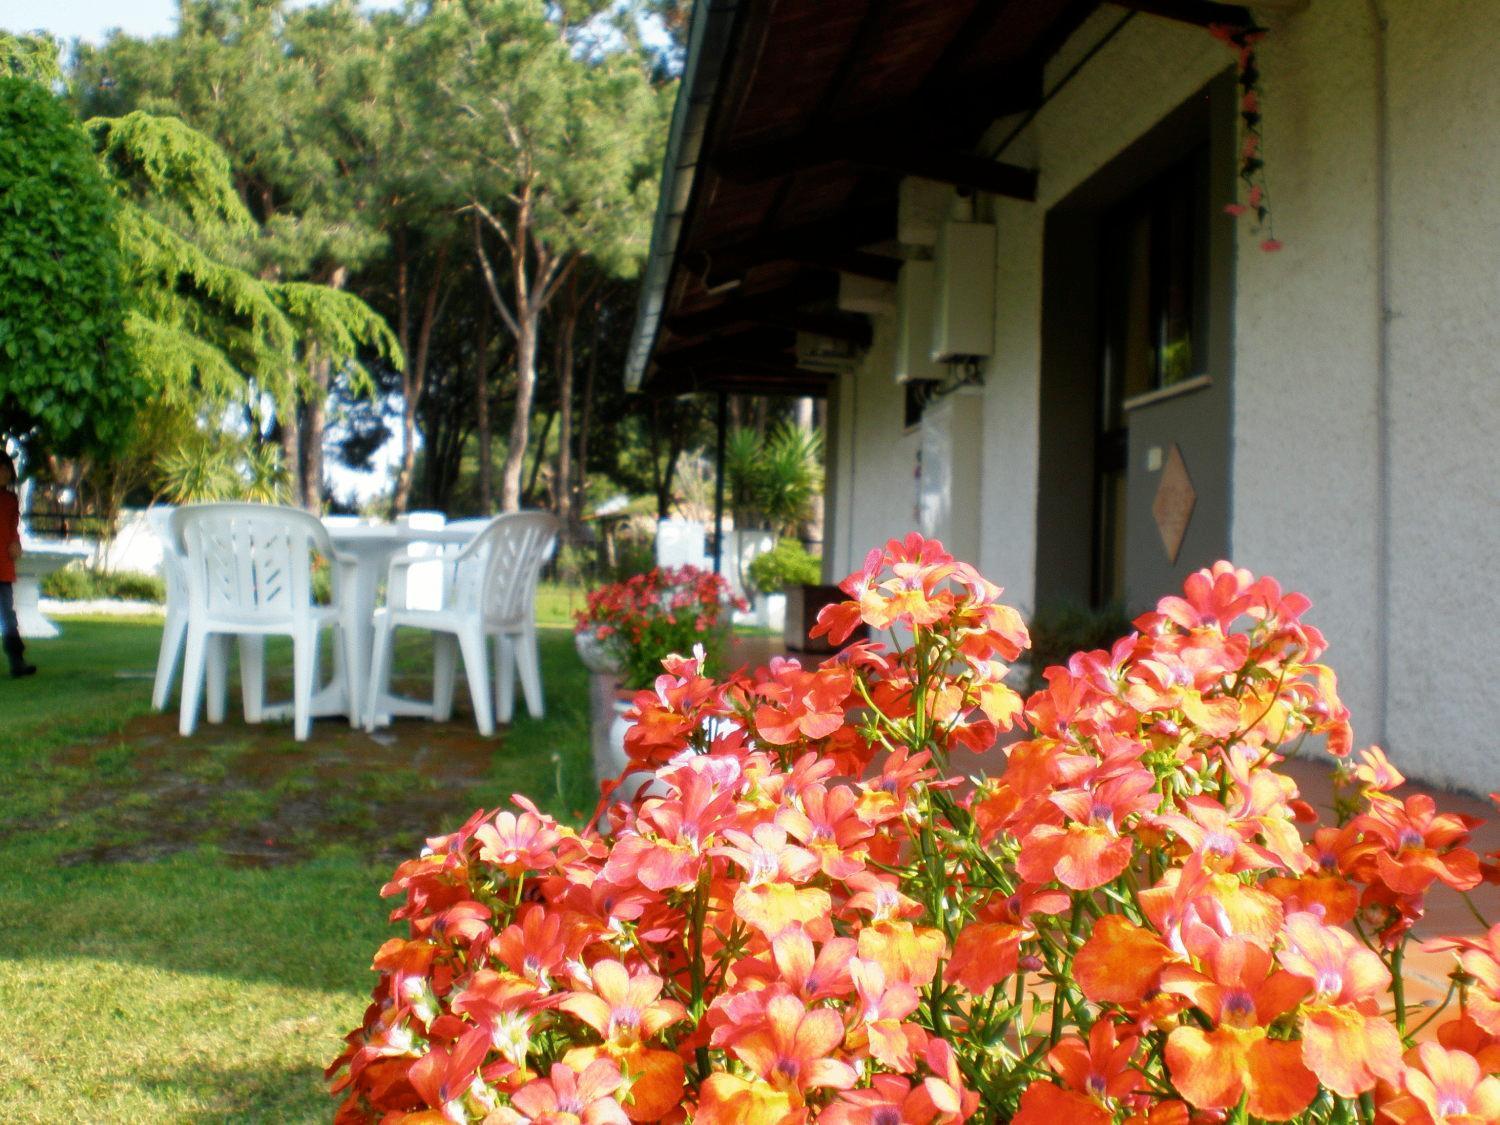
<point x="1132" y="387"/>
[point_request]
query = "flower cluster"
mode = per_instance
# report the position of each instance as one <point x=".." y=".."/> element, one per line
<point x="650" y="616"/>
<point x="808" y="918"/>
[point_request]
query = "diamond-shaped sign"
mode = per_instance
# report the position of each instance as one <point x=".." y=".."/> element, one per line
<point x="1173" y="506"/>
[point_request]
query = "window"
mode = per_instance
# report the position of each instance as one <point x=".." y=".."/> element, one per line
<point x="1154" y="280"/>
<point x="1154" y="284"/>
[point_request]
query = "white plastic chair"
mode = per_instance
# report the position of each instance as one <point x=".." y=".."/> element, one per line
<point x="174" y="630"/>
<point x="489" y="591"/>
<point x="249" y="575"/>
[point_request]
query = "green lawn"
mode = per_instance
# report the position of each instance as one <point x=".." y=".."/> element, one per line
<point x="186" y="925"/>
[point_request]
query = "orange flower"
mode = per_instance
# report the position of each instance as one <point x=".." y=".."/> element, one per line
<point x="801" y="704"/>
<point x="1444" y="1087"/>
<point x="1241" y="995"/>
<point x="1120" y="963"/>
<point x="1346" y="1041"/>
<point x="770" y="898"/>
<point x="517" y="844"/>
<point x="792" y="1050"/>
<point x="1093" y="849"/>
<point x="1095" y="1076"/>
<point x="623" y="1008"/>
<point x="1409" y="845"/>
<point x="566" y="1098"/>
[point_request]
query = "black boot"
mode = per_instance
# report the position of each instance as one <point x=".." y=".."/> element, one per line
<point x="16" y="651"/>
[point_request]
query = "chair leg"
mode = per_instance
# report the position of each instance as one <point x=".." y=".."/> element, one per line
<point x="193" y="674"/>
<point x="444" y="667"/>
<point x="304" y="671"/>
<point x="505" y="676"/>
<point x="173" y="635"/>
<point x="380" y="672"/>
<point x="253" y="676"/>
<point x="531" y="671"/>
<point x="476" y="667"/>
<point x="343" y="670"/>
<point x="217" y="692"/>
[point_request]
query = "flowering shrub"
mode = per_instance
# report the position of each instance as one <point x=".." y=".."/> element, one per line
<point x="650" y="616"/>
<point x="1127" y="926"/>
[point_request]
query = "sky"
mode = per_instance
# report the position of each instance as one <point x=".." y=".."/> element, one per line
<point x="91" y="20"/>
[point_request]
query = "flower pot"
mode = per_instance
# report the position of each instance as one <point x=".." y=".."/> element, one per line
<point x="596" y="653"/>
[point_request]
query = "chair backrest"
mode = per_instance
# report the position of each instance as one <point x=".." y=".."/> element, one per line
<point x="512" y="550"/>
<point x="159" y="520"/>
<point x="249" y="562"/>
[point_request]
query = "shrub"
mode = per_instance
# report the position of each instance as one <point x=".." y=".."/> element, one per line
<point x="1125" y="926"/>
<point x="78" y="583"/>
<point x="72" y="583"/>
<point x="786" y="564"/>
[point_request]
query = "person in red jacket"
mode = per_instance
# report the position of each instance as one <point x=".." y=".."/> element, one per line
<point x="10" y="553"/>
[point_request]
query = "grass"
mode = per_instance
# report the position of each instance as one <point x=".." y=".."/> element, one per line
<point x="186" y="925"/>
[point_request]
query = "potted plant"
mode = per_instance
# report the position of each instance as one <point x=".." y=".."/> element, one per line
<point x="626" y="629"/>
<point x="787" y="574"/>
<point x="773" y="480"/>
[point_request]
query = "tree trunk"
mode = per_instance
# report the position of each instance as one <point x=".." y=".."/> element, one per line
<point x="567" y="327"/>
<point x="520" y="426"/>
<point x="586" y="419"/>
<point x="528" y="497"/>
<point x="291" y="452"/>
<point x="482" y="412"/>
<point x="414" y="374"/>
<point x="319" y="368"/>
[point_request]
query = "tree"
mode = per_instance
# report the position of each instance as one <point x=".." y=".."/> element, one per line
<point x="68" y="383"/>
<point x="552" y="148"/>
<point x="251" y="76"/>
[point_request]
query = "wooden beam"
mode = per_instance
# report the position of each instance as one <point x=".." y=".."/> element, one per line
<point x="828" y="234"/>
<point x="1203" y="13"/>
<point x="775" y="309"/>
<point x="961" y="170"/>
<point x="877" y="267"/>
<point x="774" y="159"/>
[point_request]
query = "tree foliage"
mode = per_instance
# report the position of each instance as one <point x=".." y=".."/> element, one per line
<point x="67" y="379"/>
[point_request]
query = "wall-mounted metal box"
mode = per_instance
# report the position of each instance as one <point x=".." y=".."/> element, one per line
<point x="963" y="296"/>
<point x="914" y="292"/>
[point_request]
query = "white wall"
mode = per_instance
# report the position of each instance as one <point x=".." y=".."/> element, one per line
<point x="875" y="477"/>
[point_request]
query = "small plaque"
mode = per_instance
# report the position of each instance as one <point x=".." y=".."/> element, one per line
<point x="1173" y="506"/>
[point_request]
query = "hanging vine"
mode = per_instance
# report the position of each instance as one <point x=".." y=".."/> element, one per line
<point x="1257" y="197"/>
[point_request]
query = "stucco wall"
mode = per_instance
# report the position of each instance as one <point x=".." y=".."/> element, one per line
<point x="1444" y="609"/>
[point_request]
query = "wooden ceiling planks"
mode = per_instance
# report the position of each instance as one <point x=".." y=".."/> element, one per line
<point x="834" y="75"/>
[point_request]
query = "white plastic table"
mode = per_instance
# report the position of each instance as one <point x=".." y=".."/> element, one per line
<point x="39" y="558"/>
<point x="369" y="548"/>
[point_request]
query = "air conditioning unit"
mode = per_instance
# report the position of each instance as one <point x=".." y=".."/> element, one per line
<point x="963" y="292"/>
<point x="914" y="313"/>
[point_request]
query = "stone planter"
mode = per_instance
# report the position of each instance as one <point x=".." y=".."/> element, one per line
<point x="597" y="655"/>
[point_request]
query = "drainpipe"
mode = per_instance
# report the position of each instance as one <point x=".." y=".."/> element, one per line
<point x="1382" y="375"/>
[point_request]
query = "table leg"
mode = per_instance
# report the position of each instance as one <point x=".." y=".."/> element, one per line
<point x="34" y="624"/>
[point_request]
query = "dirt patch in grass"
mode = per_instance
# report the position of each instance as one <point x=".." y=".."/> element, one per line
<point x="264" y="799"/>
